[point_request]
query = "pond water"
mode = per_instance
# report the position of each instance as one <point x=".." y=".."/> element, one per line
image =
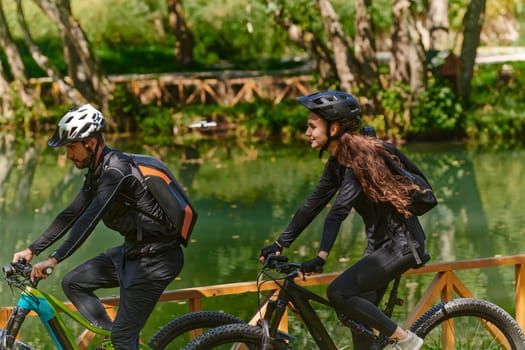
<point x="246" y="193"/>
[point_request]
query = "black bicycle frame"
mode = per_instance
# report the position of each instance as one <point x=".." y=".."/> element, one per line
<point x="299" y="297"/>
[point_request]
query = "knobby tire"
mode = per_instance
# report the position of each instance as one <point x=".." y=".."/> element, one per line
<point x="234" y="336"/>
<point x="176" y="334"/>
<point x="468" y="318"/>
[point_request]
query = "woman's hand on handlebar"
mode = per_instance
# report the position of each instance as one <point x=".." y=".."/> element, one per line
<point x="314" y="265"/>
<point x="274" y="248"/>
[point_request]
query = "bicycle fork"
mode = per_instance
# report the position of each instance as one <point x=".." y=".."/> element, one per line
<point x="8" y="335"/>
<point x="27" y="303"/>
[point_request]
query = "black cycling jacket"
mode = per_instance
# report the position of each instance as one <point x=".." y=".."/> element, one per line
<point x="382" y="221"/>
<point x="113" y="194"/>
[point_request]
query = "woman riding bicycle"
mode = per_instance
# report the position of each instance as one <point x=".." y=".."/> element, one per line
<point x="357" y="171"/>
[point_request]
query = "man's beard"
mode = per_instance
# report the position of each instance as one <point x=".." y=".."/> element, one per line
<point x="82" y="164"/>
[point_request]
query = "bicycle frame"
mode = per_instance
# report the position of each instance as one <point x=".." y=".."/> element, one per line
<point x="300" y="298"/>
<point x="48" y="308"/>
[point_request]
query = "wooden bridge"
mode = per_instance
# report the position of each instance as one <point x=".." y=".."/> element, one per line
<point x="226" y="89"/>
<point x="446" y="285"/>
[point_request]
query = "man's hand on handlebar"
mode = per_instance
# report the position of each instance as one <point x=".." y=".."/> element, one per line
<point x="41" y="270"/>
<point x="25" y="254"/>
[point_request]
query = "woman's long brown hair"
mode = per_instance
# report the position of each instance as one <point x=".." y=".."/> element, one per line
<point x="364" y="155"/>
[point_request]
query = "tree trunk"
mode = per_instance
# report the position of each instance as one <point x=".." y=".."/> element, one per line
<point x="365" y="53"/>
<point x="185" y="41"/>
<point x="408" y="55"/>
<point x="340" y="46"/>
<point x="438" y="25"/>
<point x="319" y="53"/>
<point x="73" y="95"/>
<point x="7" y="159"/>
<point x="399" y="64"/>
<point x="417" y="58"/>
<point x="6" y="100"/>
<point x="14" y="59"/>
<point x="473" y="22"/>
<point x="78" y="70"/>
<point x="85" y="72"/>
<point x="364" y="44"/>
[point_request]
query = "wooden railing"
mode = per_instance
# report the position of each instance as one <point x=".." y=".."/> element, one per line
<point x="183" y="89"/>
<point x="446" y="285"/>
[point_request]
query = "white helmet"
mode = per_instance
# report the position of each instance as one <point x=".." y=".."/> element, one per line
<point x="77" y="124"/>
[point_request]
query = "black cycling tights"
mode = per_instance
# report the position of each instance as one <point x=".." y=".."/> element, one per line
<point x="137" y="301"/>
<point x="357" y="291"/>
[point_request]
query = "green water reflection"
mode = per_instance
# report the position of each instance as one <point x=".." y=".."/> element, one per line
<point x="246" y="195"/>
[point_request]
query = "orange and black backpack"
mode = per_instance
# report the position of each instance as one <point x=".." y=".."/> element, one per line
<point x="169" y="194"/>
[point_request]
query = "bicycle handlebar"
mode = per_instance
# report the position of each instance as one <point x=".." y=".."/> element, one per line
<point x="19" y="274"/>
<point x="280" y="264"/>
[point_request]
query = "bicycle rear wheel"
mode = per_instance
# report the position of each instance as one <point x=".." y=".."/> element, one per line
<point x="180" y="331"/>
<point x="468" y="324"/>
<point x="234" y="337"/>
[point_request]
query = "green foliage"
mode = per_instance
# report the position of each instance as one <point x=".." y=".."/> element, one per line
<point x="133" y="37"/>
<point x="237" y="31"/>
<point x="160" y="124"/>
<point x="141" y="59"/>
<point x="497" y="106"/>
<point x="288" y="115"/>
<point x="116" y="23"/>
<point x="436" y="113"/>
<point x="393" y="122"/>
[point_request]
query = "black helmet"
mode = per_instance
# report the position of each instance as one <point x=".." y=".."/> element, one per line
<point x="334" y="105"/>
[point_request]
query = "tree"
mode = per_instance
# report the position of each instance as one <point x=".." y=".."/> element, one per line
<point x="69" y="91"/>
<point x="364" y="45"/>
<point x="339" y="44"/>
<point x="6" y="100"/>
<point x="472" y="24"/>
<point x="83" y="67"/>
<point x="300" y="34"/>
<point x="16" y="65"/>
<point x="185" y="41"/>
<point x="407" y="52"/>
<point x="438" y="25"/>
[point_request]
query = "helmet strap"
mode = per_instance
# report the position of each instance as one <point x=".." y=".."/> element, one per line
<point x="93" y="154"/>
<point x="329" y="138"/>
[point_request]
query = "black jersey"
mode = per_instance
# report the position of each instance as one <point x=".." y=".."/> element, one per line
<point x="110" y="193"/>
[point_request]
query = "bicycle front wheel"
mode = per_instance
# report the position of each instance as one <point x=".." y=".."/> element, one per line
<point x="469" y="324"/>
<point x="234" y="337"/>
<point x="17" y="345"/>
<point x="179" y="332"/>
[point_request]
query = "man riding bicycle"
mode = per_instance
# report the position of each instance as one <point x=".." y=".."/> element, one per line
<point x="143" y="266"/>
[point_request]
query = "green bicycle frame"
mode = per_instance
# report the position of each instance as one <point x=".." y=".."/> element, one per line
<point x="47" y="307"/>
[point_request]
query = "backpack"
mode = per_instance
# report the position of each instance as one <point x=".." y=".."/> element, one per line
<point x="423" y="200"/>
<point x="169" y="194"/>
